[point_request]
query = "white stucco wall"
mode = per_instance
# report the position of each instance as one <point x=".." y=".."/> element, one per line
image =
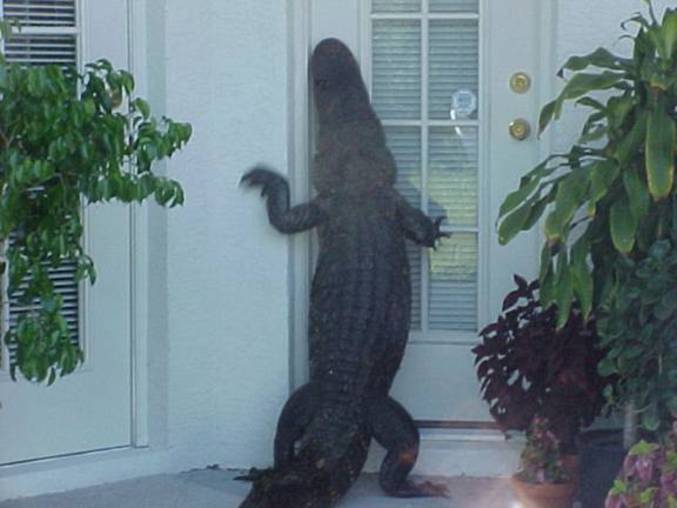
<point x="219" y="276"/>
<point x="227" y="270"/>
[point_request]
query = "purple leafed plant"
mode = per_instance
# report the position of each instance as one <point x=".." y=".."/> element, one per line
<point x="541" y="459"/>
<point x="649" y="476"/>
<point x="527" y="366"/>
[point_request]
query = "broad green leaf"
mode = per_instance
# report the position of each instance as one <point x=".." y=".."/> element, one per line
<point x="512" y="224"/>
<point x="537" y="210"/>
<point x="591" y="103"/>
<point x="582" y="278"/>
<point x="628" y="147"/>
<point x="623" y="225"/>
<point x="571" y="192"/>
<point x="670" y="32"/>
<point x="546" y="115"/>
<point x="638" y="195"/>
<point x="564" y="291"/>
<point x="583" y="83"/>
<point x="601" y="57"/>
<point x="602" y="175"/>
<point x="659" y="150"/>
<point x="514" y="199"/>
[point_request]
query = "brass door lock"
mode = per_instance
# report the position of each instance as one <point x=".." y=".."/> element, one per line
<point x="519" y="129"/>
<point x="520" y="82"/>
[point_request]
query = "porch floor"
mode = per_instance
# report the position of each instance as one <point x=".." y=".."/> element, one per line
<point x="216" y="489"/>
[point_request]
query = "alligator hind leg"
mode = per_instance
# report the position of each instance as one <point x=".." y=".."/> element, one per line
<point x="394" y="429"/>
<point x="296" y="414"/>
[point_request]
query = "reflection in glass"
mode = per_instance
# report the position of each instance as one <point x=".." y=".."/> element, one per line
<point x="453" y="175"/>
<point x="454" y="66"/>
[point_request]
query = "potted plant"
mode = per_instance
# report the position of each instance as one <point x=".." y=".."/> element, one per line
<point x="67" y="138"/>
<point x="610" y="207"/>
<point x="649" y="476"/>
<point x="528" y="367"/>
<point x="542" y="481"/>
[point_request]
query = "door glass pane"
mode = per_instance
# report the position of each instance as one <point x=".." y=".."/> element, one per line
<point x="454" y="69"/>
<point x="453" y="284"/>
<point x="381" y="6"/>
<point x="454" y="6"/>
<point x="453" y="175"/>
<point x="405" y="144"/>
<point x="396" y="90"/>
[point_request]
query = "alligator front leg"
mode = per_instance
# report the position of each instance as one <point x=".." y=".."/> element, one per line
<point x="417" y="226"/>
<point x="275" y="188"/>
<point x="394" y="429"/>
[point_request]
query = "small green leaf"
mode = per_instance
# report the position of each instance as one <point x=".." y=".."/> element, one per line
<point x="660" y="168"/>
<point x="623" y="225"/>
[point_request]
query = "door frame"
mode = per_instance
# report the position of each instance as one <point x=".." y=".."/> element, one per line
<point x="444" y="447"/>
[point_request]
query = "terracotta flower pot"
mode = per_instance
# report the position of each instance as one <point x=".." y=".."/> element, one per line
<point x="572" y="467"/>
<point x="544" y="495"/>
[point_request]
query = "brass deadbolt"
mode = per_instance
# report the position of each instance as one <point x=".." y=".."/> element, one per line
<point x="519" y="129"/>
<point x="520" y="82"/>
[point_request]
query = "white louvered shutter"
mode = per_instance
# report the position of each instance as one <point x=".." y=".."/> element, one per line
<point x="425" y="88"/>
<point x="49" y="35"/>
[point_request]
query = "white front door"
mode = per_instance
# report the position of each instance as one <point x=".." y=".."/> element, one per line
<point x="439" y="75"/>
<point x="91" y="408"/>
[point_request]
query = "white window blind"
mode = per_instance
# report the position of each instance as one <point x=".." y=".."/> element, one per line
<point x="425" y="88"/>
<point x="49" y="35"/>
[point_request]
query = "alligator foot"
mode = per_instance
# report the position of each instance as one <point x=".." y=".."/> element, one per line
<point x="424" y="489"/>
<point x="261" y="176"/>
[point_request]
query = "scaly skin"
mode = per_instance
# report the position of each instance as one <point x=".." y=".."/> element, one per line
<point x="359" y="305"/>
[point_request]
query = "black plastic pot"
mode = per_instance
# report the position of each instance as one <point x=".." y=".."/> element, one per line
<point x="601" y="455"/>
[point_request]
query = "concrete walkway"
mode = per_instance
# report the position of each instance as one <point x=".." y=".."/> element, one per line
<point x="216" y="489"/>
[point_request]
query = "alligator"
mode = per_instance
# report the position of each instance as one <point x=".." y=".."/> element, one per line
<point x="359" y="304"/>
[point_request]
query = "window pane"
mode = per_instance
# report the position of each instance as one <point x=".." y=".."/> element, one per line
<point x="454" y="69"/>
<point x="453" y="284"/>
<point x="454" y="6"/>
<point x="42" y="49"/>
<point x="453" y="175"/>
<point x="405" y="144"/>
<point x="396" y="88"/>
<point x="40" y="12"/>
<point x="380" y="6"/>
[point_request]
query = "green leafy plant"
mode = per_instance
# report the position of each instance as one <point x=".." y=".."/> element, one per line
<point x="68" y="139"/>
<point x="611" y="205"/>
